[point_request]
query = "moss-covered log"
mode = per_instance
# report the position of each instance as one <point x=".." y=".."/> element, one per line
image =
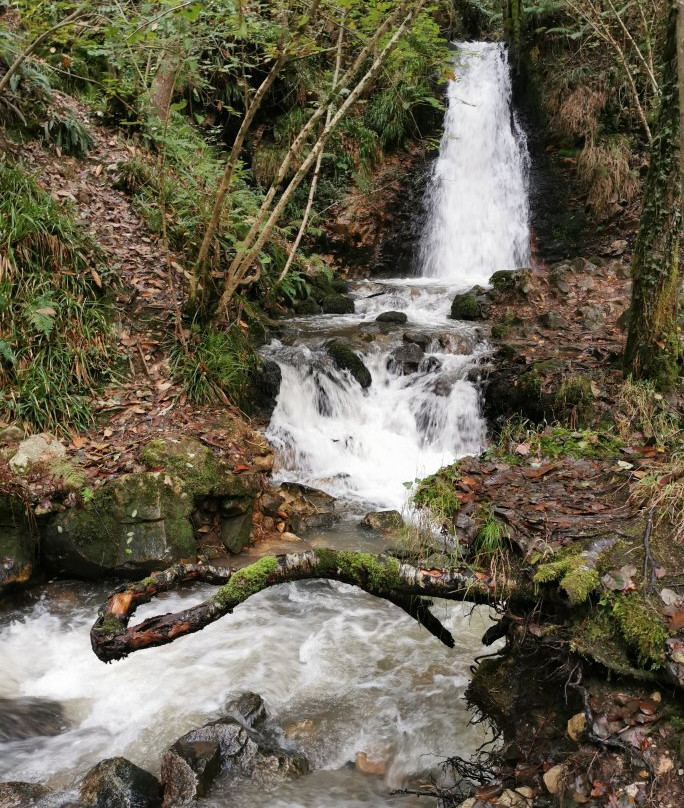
<point x="382" y="576"/>
<point x="653" y="345"/>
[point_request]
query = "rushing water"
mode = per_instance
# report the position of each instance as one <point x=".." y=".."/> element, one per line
<point x="356" y="673"/>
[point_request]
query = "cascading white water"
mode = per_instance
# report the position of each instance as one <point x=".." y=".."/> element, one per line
<point x="478" y="220"/>
<point x="364" y="676"/>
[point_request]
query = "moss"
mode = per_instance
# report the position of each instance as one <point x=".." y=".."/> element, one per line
<point x="345" y="359"/>
<point x="193" y="463"/>
<point x="574" y="400"/>
<point x="438" y="494"/>
<point x="573" y="575"/>
<point x="381" y="572"/>
<point x="465" y="307"/>
<point x="109" y="624"/>
<point x="337" y="304"/>
<point x="642" y="627"/>
<point x="246" y="582"/>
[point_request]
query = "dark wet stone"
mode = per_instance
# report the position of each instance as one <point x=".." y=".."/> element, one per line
<point x="430" y="364"/>
<point x="466" y="307"/>
<point x="406" y="358"/>
<point x="553" y="321"/>
<point x="337" y="304"/>
<point x="118" y="783"/>
<point x="398" y="317"/>
<point x="422" y="340"/>
<point x="345" y="359"/>
<point x="30" y="718"/>
<point x="265" y="387"/>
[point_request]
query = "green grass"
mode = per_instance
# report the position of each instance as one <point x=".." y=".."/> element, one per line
<point x="55" y="348"/>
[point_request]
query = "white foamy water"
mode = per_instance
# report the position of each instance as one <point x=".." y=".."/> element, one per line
<point x="478" y="204"/>
<point x="364" y="676"/>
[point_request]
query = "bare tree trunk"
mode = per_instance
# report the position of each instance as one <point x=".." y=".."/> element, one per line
<point x="239" y="276"/>
<point x="164" y="83"/>
<point x="24" y="55"/>
<point x="319" y="162"/>
<point x="383" y="576"/>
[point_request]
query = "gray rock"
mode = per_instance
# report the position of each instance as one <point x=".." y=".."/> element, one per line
<point x="36" y="449"/>
<point x="558" y="282"/>
<point x="305" y="507"/>
<point x="593" y="317"/>
<point x="21" y="795"/>
<point x="517" y="280"/>
<point x="389" y="522"/>
<point x="18" y="542"/>
<point x="236" y="532"/>
<point x="553" y="321"/>
<point x="11" y="435"/>
<point x="418" y="338"/>
<point x="406" y="358"/>
<point x="398" y="317"/>
<point x="118" y="783"/>
<point x="430" y="364"/>
<point x="240" y="745"/>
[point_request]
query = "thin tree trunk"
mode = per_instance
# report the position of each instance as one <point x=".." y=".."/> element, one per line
<point x="317" y="169"/>
<point x="653" y="346"/>
<point x="24" y="55"/>
<point x="266" y="205"/>
<point x="383" y="576"/>
<point x="240" y="274"/>
<point x="680" y="70"/>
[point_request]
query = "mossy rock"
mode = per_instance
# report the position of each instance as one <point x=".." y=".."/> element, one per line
<point x="517" y="281"/>
<point x="308" y="306"/>
<point x="135" y="523"/>
<point x="202" y="473"/>
<point x="345" y="359"/>
<point x="389" y="522"/>
<point x="337" y="304"/>
<point x="466" y="307"/>
<point x="18" y="542"/>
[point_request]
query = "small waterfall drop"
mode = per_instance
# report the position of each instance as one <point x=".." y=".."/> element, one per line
<point x="365" y="446"/>
<point x="478" y="216"/>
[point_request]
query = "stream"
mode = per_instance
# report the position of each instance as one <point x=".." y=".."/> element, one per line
<point x="342" y="672"/>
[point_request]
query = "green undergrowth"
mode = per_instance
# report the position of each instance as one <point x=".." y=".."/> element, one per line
<point x="573" y="574"/>
<point x="437" y="492"/>
<point x="553" y="442"/>
<point x="55" y="337"/>
<point x="491" y="536"/>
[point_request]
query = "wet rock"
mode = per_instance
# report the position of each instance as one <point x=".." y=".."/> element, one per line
<point x="240" y="745"/>
<point x="398" y="317"/>
<point x="554" y="321"/>
<point x="592" y="316"/>
<point x="372" y="763"/>
<point x="430" y="364"/>
<point x="236" y="532"/>
<point x="36" y="449"/>
<point x="300" y="507"/>
<point x="18" y="542"/>
<point x="337" y="304"/>
<point x="22" y="795"/>
<point x="308" y="307"/>
<point x="345" y="359"/>
<point x="518" y="281"/>
<point x="30" y="718"/>
<point x="265" y="388"/>
<point x="135" y="523"/>
<point x="389" y="522"/>
<point x="466" y="307"/>
<point x="118" y="783"/>
<point x="405" y="359"/>
<point x="421" y="340"/>
<point x="454" y="343"/>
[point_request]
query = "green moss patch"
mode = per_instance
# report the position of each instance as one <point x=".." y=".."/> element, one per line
<point x="246" y="582"/>
<point x="642" y="626"/>
<point x="573" y="575"/>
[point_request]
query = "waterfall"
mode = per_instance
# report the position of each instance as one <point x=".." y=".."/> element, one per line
<point x="368" y="446"/>
<point x="477" y="201"/>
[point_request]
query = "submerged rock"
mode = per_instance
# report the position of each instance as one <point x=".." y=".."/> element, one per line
<point x="118" y="783"/>
<point x="30" y="718"/>
<point x="240" y="745"/>
<point x="398" y="317"/>
<point x="22" y="795"/>
<point x="383" y="521"/>
<point x="344" y="358"/>
<point x="18" y="542"/>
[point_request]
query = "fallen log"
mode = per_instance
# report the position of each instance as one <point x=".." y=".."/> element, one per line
<point x="380" y="575"/>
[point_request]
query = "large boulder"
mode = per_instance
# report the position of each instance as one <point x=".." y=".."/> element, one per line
<point x="396" y="317"/>
<point x="242" y="744"/>
<point x="36" y="449"/>
<point x="134" y="524"/>
<point x="344" y="358"/>
<point x="517" y="281"/>
<point x="118" y="783"/>
<point x="466" y="307"/>
<point x="18" y="542"/>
